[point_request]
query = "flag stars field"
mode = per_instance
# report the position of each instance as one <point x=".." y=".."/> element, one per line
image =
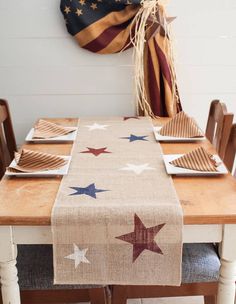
<point x="94" y="6"/>
<point x="79" y="12"/>
<point x="67" y="10"/>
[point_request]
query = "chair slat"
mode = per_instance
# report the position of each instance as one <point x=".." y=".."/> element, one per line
<point x="218" y="126"/>
<point x="7" y="137"/>
<point x="3" y="113"/>
<point x="4" y="153"/>
<point x="231" y="149"/>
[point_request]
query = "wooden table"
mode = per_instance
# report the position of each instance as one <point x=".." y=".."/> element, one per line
<point x="209" y="207"/>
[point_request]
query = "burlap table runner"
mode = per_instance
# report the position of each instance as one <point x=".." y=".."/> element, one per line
<point x="117" y="219"/>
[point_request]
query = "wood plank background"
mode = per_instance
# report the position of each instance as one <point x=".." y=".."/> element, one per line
<point x="44" y="73"/>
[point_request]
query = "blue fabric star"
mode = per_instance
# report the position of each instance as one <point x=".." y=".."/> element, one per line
<point x="134" y="138"/>
<point x="89" y="190"/>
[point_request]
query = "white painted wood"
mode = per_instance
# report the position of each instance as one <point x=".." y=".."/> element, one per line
<point x="66" y="81"/>
<point x="67" y="53"/>
<point x="213" y="5"/>
<point x="9" y="283"/>
<point x="201" y="5"/>
<point x="27" y="235"/>
<point x="191" y="234"/>
<point x="24" y="113"/>
<point x="206" y="79"/>
<point x="43" y="235"/>
<point x="52" y="25"/>
<point x="7" y="248"/>
<point x="202" y="233"/>
<point x="44" y="73"/>
<point x="205" y="51"/>
<point x="40" y="62"/>
<point x="55" y="52"/>
<point x="226" y="289"/>
<point x="85" y="80"/>
<point x="8" y="271"/>
<point x="24" y="4"/>
<point x="201" y="22"/>
<point x="174" y="300"/>
<point x="228" y="246"/>
<point x="226" y="286"/>
<point x="31" y="19"/>
<point x="191" y="102"/>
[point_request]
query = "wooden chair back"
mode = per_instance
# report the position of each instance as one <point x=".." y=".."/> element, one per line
<point x="7" y="137"/>
<point x="218" y="126"/>
<point x="230" y="152"/>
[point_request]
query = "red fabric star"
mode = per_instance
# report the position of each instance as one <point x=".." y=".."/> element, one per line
<point x="142" y="238"/>
<point x="131" y="117"/>
<point x="96" y="152"/>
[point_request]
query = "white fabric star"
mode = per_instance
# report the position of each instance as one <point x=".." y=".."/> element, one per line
<point x="96" y="126"/>
<point x="138" y="169"/>
<point x="78" y="256"/>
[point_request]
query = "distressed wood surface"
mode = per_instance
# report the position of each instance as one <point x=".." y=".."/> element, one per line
<point x="205" y="200"/>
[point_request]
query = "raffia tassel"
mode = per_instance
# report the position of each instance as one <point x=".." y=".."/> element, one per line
<point x="148" y="7"/>
<point x="138" y="40"/>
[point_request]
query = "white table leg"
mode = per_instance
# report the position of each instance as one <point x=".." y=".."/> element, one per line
<point x="226" y="288"/>
<point x="8" y="271"/>
<point x="9" y="282"/>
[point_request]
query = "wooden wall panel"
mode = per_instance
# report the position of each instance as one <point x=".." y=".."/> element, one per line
<point x="43" y="72"/>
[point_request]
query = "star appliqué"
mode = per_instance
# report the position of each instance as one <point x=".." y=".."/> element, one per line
<point x="90" y="190"/>
<point x="138" y="169"/>
<point x="142" y="238"/>
<point x="159" y="24"/>
<point x="96" y="152"/>
<point x="133" y="137"/>
<point x="97" y="126"/>
<point x="78" y="256"/>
